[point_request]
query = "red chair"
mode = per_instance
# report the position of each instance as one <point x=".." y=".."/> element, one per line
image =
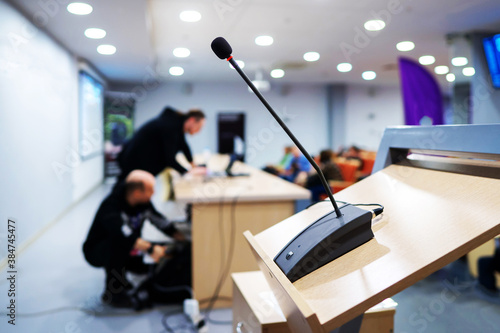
<point x="348" y="170"/>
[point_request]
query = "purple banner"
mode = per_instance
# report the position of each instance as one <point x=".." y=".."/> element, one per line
<point x="422" y="99"/>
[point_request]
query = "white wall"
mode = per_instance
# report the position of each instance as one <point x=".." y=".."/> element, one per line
<point x="302" y="107"/>
<point x="39" y="173"/>
<point x="369" y="110"/>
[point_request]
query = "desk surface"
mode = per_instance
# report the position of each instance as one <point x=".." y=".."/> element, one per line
<point x="431" y="218"/>
<point x="258" y="186"/>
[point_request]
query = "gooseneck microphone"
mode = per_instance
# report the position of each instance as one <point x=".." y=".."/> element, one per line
<point x="223" y="50"/>
<point x="330" y="236"/>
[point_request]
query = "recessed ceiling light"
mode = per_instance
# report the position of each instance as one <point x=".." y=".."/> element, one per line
<point x="459" y="61"/>
<point x="468" y="71"/>
<point x="277" y="73"/>
<point x="426" y="60"/>
<point x="240" y="63"/>
<point x="79" y="8"/>
<point x="440" y="70"/>
<point x="176" y="71"/>
<point x="369" y="75"/>
<point x="190" y="16"/>
<point x="95" y="33"/>
<point x="264" y="40"/>
<point x="106" y="49"/>
<point x="181" y="52"/>
<point x="311" y="56"/>
<point x="450" y="77"/>
<point x="344" y="67"/>
<point x="405" y="46"/>
<point x="374" y="25"/>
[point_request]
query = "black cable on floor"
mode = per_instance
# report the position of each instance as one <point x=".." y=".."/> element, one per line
<point x="188" y="325"/>
<point x="226" y="269"/>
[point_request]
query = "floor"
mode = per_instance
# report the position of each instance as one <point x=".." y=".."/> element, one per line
<point x="60" y="293"/>
<point x="446" y="301"/>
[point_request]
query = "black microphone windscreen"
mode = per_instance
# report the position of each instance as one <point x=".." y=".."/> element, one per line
<point x="221" y="48"/>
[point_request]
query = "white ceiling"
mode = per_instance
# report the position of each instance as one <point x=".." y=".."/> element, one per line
<point x="145" y="33"/>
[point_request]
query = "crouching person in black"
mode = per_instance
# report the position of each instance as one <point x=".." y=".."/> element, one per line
<point x="114" y="242"/>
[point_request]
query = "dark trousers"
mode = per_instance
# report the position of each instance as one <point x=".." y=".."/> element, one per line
<point x="111" y="255"/>
<point x="163" y="280"/>
<point x="487" y="266"/>
<point x="171" y="279"/>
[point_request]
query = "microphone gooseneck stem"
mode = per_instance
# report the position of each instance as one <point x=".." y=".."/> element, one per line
<point x="290" y="134"/>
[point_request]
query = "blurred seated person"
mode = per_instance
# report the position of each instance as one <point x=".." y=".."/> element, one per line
<point x="283" y="164"/>
<point x="330" y="170"/>
<point x="354" y="153"/>
<point x="298" y="168"/>
<point x="115" y="243"/>
<point x="486" y="281"/>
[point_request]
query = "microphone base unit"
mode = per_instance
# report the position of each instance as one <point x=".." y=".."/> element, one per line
<point x="325" y="240"/>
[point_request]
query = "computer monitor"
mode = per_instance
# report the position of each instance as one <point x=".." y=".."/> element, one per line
<point x="229" y="173"/>
<point x="491" y="47"/>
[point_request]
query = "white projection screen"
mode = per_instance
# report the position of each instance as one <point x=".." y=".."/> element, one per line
<point x="91" y="120"/>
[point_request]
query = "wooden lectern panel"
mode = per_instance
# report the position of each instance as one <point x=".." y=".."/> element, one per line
<point x="431" y="218"/>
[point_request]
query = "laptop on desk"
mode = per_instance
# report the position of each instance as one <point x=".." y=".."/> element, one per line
<point x="227" y="172"/>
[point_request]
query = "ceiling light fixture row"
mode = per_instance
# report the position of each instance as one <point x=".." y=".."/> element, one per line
<point x="450" y="77"/>
<point x="442" y="70"/>
<point x="81" y="8"/>
<point x="406" y="46"/>
<point x="189" y="16"/>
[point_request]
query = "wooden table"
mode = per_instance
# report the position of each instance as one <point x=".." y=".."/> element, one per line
<point x="222" y="209"/>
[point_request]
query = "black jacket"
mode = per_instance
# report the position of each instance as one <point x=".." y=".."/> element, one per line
<point x="118" y="225"/>
<point x="154" y="146"/>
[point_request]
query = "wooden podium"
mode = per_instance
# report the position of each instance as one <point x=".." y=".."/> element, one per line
<point x="440" y="188"/>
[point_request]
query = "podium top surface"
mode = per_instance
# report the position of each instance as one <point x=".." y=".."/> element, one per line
<point x="430" y="219"/>
<point x="257" y="186"/>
